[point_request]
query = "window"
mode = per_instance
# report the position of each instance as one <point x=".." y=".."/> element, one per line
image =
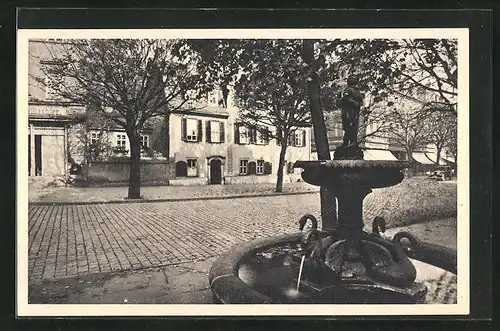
<point x="144" y="141"/>
<point x="299" y="138"/>
<point x="244" y="134"/>
<point x="213" y="98"/>
<point x="94" y="138"/>
<point x="260" y="167"/>
<point x="243" y="167"/>
<point x="191" y="130"/>
<point x="262" y="137"/>
<point x="192" y="167"/>
<point x="121" y="140"/>
<point x="215" y="132"/>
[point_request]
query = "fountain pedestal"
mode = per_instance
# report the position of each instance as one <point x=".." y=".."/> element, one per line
<point x="354" y="255"/>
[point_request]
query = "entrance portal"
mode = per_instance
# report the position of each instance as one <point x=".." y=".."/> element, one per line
<point x="215" y="171"/>
<point x="38" y="155"/>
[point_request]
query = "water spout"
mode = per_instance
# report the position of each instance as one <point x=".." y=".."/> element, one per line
<point x="300" y="271"/>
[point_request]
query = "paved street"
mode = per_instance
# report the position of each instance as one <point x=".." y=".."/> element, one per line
<point x="69" y="240"/>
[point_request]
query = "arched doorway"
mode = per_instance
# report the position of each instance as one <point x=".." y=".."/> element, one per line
<point x="180" y="169"/>
<point x="215" y="171"/>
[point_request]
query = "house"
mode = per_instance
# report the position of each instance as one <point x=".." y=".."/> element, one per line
<point x="57" y="135"/>
<point x="206" y="144"/>
<point x="49" y="119"/>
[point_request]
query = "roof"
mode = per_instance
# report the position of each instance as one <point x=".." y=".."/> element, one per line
<point x="378" y="154"/>
<point x="433" y="158"/>
<point x="207" y="110"/>
<point x="53" y="117"/>
<point x="448" y="159"/>
<point x="421" y="158"/>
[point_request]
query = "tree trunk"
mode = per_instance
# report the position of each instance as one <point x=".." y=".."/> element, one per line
<point x="327" y="200"/>
<point x="134" y="184"/>
<point x="409" y="158"/>
<point x="166" y="132"/>
<point x="438" y="154"/>
<point x="281" y="166"/>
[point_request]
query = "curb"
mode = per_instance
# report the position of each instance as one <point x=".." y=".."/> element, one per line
<point x="51" y="203"/>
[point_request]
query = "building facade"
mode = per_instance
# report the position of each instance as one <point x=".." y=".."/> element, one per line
<point x="49" y="119"/>
<point x="206" y="145"/>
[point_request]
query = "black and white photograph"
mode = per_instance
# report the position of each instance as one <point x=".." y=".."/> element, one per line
<point x="243" y="172"/>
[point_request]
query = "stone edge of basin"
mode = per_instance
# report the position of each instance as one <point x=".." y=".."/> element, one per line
<point x="352" y="164"/>
<point x="226" y="286"/>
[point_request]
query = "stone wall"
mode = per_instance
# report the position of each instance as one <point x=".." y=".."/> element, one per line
<point x="260" y="179"/>
<point x="116" y="173"/>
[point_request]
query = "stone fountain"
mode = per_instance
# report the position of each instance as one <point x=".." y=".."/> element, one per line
<point x="343" y="264"/>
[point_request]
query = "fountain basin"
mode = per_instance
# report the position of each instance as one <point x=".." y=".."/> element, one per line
<point x="231" y="283"/>
<point x="343" y="173"/>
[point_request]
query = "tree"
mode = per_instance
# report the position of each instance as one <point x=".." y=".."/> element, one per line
<point x="452" y="146"/>
<point x="271" y="94"/>
<point x="314" y="63"/>
<point x="222" y="60"/>
<point x="365" y="59"/>
<point x="127" y="81"/>
<point x="442" y="127"/>
<point x="409" y="127"/>
<point x="432" y="66"/>
<point x="404" y="66"/>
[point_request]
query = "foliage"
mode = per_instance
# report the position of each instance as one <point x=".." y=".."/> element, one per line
<point x="442" y="128"/>
<point x="406" y="66"/>
<point x="409" y="126"/>
<point x="221" y="60"/>
<point x="271" y="93"/>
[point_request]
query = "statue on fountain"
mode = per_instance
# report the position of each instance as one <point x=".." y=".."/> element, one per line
<point x="350" y="100"/>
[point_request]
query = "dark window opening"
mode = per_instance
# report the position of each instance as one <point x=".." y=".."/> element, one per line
<point x="180" y="169"/>
<point x="252" y="168"/>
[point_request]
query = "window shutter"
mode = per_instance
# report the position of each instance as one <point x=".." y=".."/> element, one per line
<point x="208" y="131"/>
<point x="236" y="133"/>
<point x="183" y="129"/>
<point x="200" y="130"/>
<point x="303" y="138"/>
<point x="253" y="135"/>
<point x="278" y="134"/>
<point x="291" y="138"/>
<point x="268" y="168"/>
<point x="222" y="132"/>
<point x="266" y="136"/>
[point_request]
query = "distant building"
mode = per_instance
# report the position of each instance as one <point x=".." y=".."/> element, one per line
<point x="380" y="146"/>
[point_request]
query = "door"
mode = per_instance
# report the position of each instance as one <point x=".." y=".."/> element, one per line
<point x="38" y="155"/>
<point x="215" y="171"/>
